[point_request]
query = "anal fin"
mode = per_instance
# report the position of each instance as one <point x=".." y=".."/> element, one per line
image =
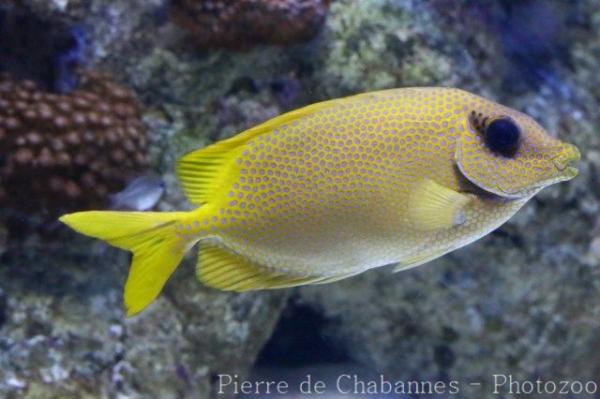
<point x="222" y="269"/>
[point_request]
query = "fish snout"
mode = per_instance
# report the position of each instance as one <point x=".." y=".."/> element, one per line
<point x="566" y="158"/>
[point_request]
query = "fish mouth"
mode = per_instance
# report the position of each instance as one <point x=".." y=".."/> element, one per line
<point x="564" y="162"/>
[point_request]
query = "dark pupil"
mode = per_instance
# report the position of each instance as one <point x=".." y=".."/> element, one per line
<point x="502" y="136"/>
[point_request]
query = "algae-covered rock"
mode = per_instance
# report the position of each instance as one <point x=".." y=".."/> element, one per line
<point x="370" y="45"/>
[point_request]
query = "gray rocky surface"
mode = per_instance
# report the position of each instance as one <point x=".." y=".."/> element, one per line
<point x="64" y="334"/>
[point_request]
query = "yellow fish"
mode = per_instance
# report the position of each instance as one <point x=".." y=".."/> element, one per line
<point x="339" y="187"/>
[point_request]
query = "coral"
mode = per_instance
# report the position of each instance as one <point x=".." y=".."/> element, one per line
<point x="68" y="150"/>
<point x="240" y="24"/>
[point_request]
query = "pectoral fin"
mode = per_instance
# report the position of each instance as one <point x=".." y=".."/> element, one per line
<point x="432" y="206"/>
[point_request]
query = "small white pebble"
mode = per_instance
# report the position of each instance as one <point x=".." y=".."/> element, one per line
<point x="14" y="382"/>
<point x="116" y="330"/>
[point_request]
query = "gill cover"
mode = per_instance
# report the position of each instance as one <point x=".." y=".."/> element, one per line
<point x="532" y="166"/>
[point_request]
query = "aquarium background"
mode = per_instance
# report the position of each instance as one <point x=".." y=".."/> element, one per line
<point x="172" y="76"/>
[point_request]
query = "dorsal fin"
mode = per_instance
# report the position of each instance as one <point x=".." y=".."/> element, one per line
<point x="201" y="171"/>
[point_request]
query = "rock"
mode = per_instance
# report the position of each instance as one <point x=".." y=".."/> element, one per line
<point x="3" y="239"/>
<point x="370" y="45"/>
<point x="64" y="333"/>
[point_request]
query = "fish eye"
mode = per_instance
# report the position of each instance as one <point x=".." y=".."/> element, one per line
<point x="502" y="136"/>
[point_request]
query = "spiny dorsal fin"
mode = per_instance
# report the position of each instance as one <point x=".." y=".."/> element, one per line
<point x="224" y="270"/>
<point x="201" y="171"/>
<point x="432" y="206"/>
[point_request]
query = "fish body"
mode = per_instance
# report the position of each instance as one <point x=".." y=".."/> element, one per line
<point x="339" y="187"/>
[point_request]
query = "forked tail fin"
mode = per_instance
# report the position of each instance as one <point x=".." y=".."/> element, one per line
<point x="149" y="235"/>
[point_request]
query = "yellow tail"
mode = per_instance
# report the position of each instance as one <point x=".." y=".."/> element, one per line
<point x="151" y="238"/>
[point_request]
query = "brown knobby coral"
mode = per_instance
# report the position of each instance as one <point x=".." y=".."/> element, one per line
<point x="243" y="23"/>
<point x="68" y="151"/>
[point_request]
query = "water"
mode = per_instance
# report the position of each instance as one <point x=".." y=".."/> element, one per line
<point x="119" y="90"/>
